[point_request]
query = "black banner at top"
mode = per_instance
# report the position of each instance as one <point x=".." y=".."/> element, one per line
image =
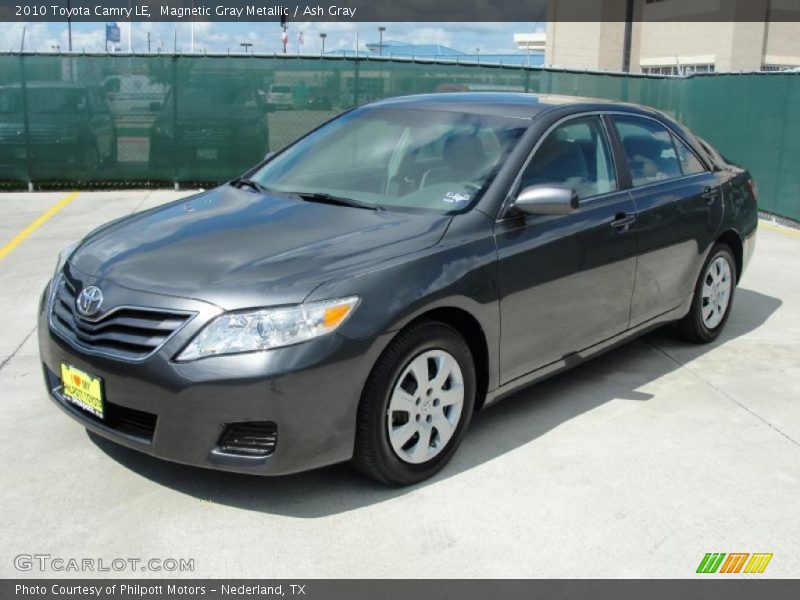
<point x="402" y="10"/>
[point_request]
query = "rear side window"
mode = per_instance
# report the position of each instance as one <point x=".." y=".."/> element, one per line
<point x="690" y="164"/>
<point x="654" y="154"/>
<point x="575" y="154"/>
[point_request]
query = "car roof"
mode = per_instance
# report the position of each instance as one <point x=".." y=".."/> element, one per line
<point x="506" y="104"/>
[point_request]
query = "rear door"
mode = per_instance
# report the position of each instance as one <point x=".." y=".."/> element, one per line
<point x="679" y="205"/>
<point x="566" y="281"/>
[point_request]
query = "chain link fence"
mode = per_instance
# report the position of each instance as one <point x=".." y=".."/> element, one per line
<point x="158" y="119"/>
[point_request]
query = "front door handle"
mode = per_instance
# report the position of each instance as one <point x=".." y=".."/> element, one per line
<point x="623" y="220"/>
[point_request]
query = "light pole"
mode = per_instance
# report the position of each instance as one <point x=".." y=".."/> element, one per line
<point x="380" y="40"/>
<point x="322" y="36"/>
<point x="69" y="26"/>
<point x="245" y="45"/>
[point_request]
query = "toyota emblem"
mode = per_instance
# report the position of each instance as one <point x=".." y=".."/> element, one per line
<point x="89" y="300"/>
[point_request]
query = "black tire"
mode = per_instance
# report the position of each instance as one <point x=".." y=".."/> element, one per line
<point x="692" y="328"/>
<point x="374" y="455"/>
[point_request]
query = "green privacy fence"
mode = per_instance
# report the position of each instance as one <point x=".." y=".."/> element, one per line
<point x="79" y="119"/>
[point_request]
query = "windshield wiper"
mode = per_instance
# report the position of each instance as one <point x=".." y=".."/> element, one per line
<point x="241" y="182"/>
<point x="336" y="200"/>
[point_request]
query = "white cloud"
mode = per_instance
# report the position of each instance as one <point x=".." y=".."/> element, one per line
<point x="37" y="36"/>
<point x="491" y="38"/>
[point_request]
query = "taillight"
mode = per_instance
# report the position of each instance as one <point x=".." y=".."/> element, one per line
<point x="751" y="183"/>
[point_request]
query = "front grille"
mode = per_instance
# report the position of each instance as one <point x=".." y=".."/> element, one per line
<point x="129" y="421"/>
<point x="255" y="438"/>
<point x="16" y="135"/>
<point x="131" y="333"/>
<point x="206" y="134"/>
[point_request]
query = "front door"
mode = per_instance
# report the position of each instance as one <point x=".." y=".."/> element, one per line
<point x="566" y="281"/>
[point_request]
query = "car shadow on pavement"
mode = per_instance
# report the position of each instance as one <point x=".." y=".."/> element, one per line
<point x="516" y="421"/>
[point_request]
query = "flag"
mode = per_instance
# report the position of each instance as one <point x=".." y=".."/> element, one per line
<point x="284" y="39"/>
<point x="112" y="33"/>
<point x="300" y="37"/>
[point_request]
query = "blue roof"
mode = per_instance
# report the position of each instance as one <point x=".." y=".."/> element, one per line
<point x="536" y="59"/>
<point x="348" y="53"/>
<point x="403" y="49"/>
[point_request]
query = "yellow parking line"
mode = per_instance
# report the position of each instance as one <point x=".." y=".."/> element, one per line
<point x="38" y="222"/>
<point x="780" y="228"/>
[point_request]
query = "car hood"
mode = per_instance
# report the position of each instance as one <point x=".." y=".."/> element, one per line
<point x="236" y="248"/>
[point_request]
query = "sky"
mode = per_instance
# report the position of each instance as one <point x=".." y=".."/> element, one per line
<point x="489" y="38"/>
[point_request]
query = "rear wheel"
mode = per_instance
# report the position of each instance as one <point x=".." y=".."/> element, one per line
<point x="416" y="405"/>
<point x="713" y="297"/>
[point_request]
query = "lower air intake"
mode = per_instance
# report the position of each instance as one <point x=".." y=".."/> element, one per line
<point x="256" y="438"/>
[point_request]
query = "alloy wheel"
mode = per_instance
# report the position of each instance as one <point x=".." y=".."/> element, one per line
<point x="425" y="406"/>
<point x="716" y="293"/>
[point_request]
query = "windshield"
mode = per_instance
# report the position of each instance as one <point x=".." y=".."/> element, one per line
<point x="221" y="100"/>
<point x="404" y="159"/>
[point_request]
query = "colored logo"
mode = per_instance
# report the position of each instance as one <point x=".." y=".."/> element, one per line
<point x="89" y="301"/>
<point x="734" y="562"/>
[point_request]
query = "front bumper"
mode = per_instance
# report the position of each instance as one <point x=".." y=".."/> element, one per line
<point x="310" y="390"/>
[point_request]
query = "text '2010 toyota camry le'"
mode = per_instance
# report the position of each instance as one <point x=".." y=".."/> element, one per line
<point x="359" y="294"/>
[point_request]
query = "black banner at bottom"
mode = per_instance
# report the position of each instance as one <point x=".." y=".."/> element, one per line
<point x="713" y="588"/>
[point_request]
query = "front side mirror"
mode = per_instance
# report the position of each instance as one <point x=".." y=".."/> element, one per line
<point x="547" y="200"/>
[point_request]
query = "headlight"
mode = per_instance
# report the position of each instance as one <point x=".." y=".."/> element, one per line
<point x="63" y="257"/>
<point x="165" y="130"/>
<point x="267" y="328"/>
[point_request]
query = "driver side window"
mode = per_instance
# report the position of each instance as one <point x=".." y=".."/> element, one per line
<point x="575" y="154"/>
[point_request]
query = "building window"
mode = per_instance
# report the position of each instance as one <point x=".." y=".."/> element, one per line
<point x="772" y="68"/>
<point x="678" y="69"/>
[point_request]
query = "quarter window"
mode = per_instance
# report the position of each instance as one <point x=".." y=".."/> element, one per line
<point x="654" y="154"/>
<point x="575" y="154"/>
<point x="690" y="164"/>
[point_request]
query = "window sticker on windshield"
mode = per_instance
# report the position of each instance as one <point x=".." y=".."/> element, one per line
<point x="456" y="198"/>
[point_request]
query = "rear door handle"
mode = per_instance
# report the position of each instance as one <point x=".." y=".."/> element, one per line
<point x="623" y="220"/>
<point x="709" y="194"/>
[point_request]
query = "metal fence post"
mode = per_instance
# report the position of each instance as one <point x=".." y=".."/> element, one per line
<point x="356" y="81"/>
<point x="175" y="133"/>
<point x="25" y="120"/>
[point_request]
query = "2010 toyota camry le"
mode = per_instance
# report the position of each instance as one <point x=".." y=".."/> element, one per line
<point x="359" y="294"/>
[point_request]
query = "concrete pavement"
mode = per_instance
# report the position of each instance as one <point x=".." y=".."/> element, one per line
<point x="635" y="464"/>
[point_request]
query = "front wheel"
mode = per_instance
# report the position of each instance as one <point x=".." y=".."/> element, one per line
<point x="713" y="297"/>
<point x="416" y="405"/>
